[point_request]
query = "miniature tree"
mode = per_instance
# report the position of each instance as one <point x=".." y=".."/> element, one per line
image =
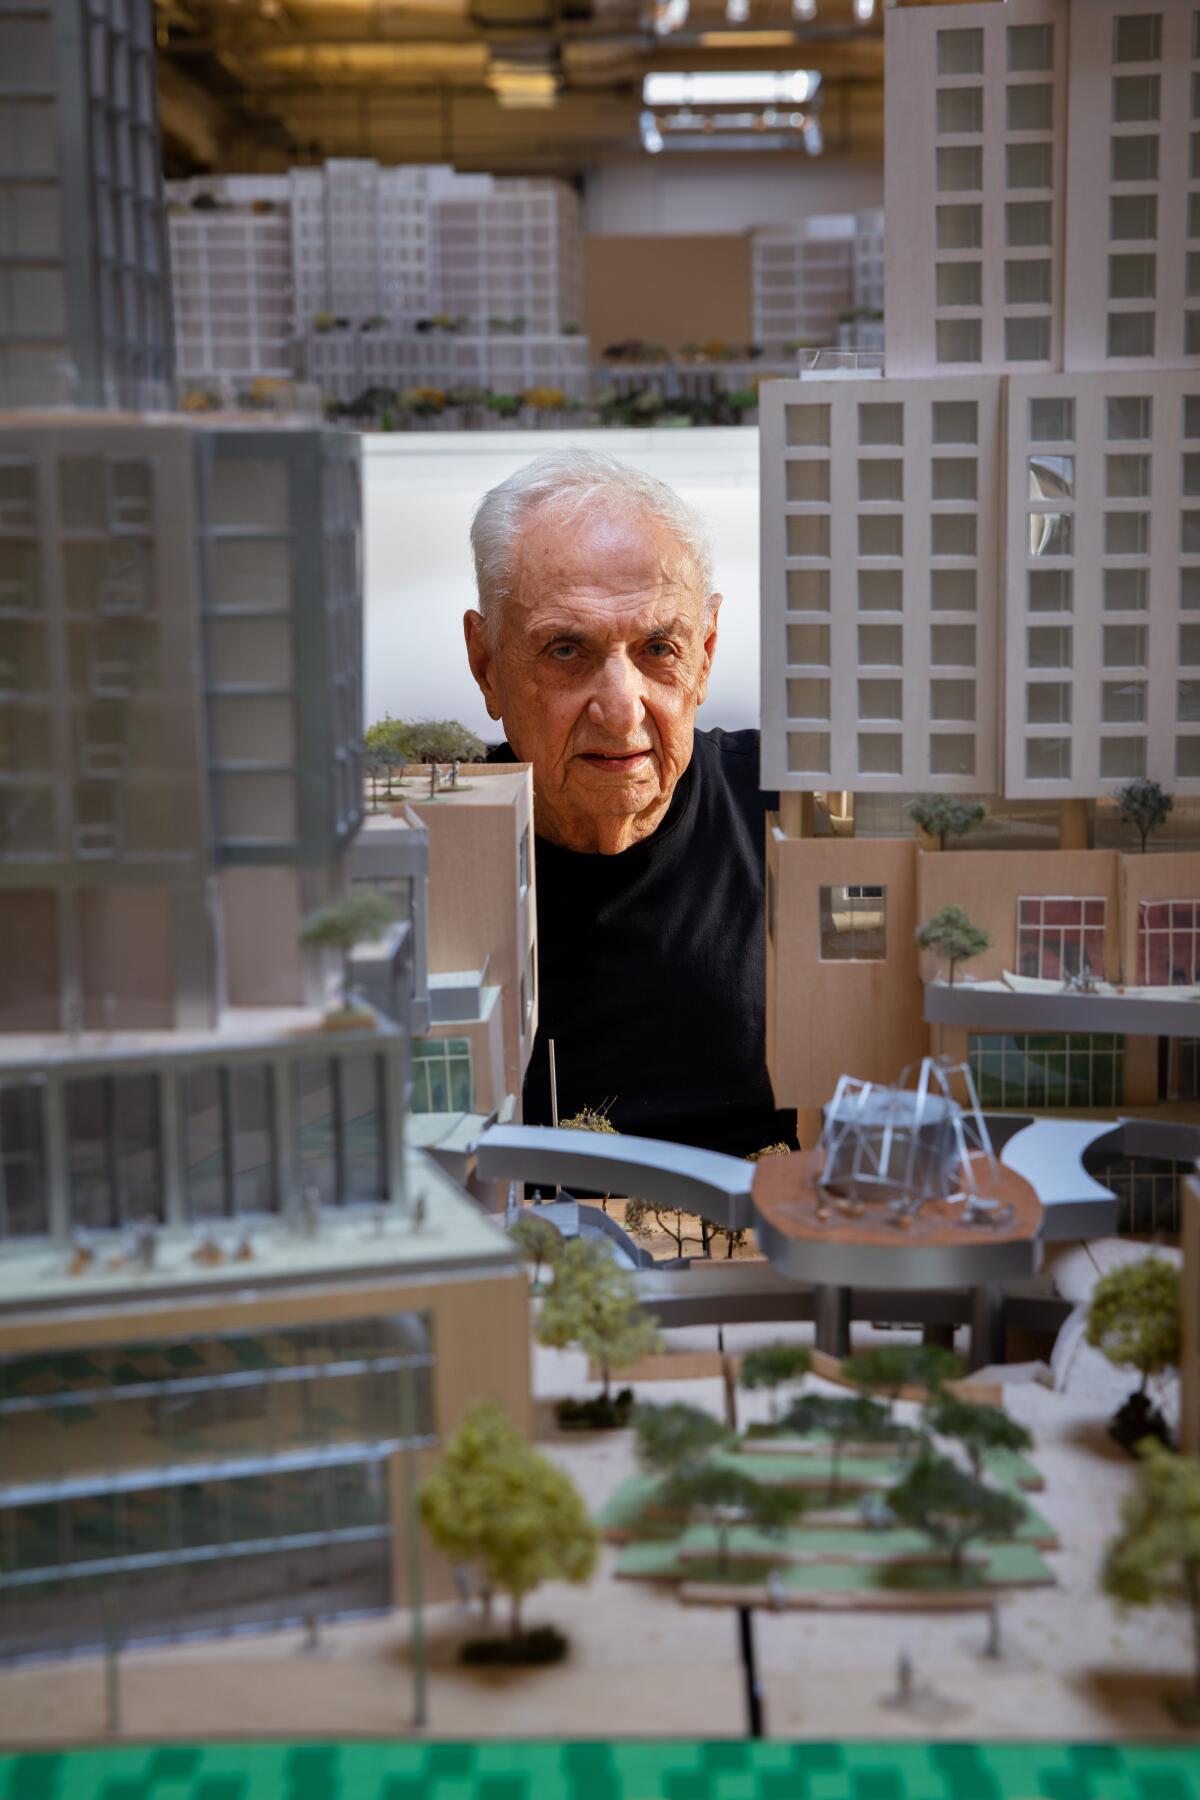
<point x="1156" y="1554"/>
<point x="594" y="1303"/>
<point x="591" y="1118"/>
<point x="942" y="816"/>
<point x="977" y="1428"/>
<point x="641" y="1216"/>
<point x="1144" y="805"/>
<point x="718" y="1494"/>
<point x="670" y="1439"/>
<point x="951" y="935"/>
<point x="537" y="1240"/>
<point x="362" y="916"/>
<point x="1134" y="1319"/>
<point x="843" y="1419"/>
<point x="495" y="1502"/>
<point x="425" y="740"/>
<point x="893" y="1367"/>
<point x="773" y="1366"/>
<point x="952" y="1508"/>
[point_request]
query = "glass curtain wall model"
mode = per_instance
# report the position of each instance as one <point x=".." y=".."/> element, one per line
<point x="106" y="1148"/>
<point x="171" y="1489"/>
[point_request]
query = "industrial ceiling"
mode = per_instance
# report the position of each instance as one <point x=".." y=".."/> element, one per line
<point x="511" y="86"/>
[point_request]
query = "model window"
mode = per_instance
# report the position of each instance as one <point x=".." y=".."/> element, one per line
<point x="1030" y="1070"/>
<point x="529" y="987"/>
<point x="808" y="590"/>
<point x="1133" y="216"/>
<point x="1126" y="533"/>
<point x="523" y="861"/>
<point x="1030" y="106"/>
<point x="953" y="534"/>
<point x="1134" y="98"/>
<point x="807" y="425"/>
<point x="959" y="341"/>
<point x="853" y="924"/>
<point x="807" y="698"/>
<point x="1129" y="418"/>
<point x="959" y="227"/>
<point x="1052" y="421"/>
<point x="1134" y="158"/>
<point x="959" y="111"/>
<point x="808" y="479"/>
<point x="1051" y="534"/>
<point x="808" y="752"/>
<point x="1027" y="224"/>
<point x="1126" y="590"/>
<point x="1122" y="758"/>
<point x="1193" y="215"/>
<point x="1051" y="590"/>
<point x="1191" y="277"/>
<point x="114" y="1149"/>
<point x="442" y="1075"/>
<point x="952" y="646"/>
<point x="1048" y="759"/>
<point x="880" y="753"/>
<point x="1048" y="647"/>
<point x="1127" y="476"/>
<point x="808" y="534"/>
<point x="808" y="645"/>
<point x="955" y="478"/>
<point x="955" y="422"/>
<point x="881" y="644"/>
<point x="1030" y="47"/>
<point x="881" y="423"/>
<point x="952" y="590"/>
<point x="1125" y="646"/>
<point x="1028" y="281"/>
<point x="1189" y="646"/>
<point x="340" y="1147"/>
<point x="230" y="1144"/>
<point x="1187" y="755"/>
<point x="880" y="699"/>
<point x="1029" y="165"/>
<point x="881" y="534"/>
<point x="1027" y="340"/>
<point x="880" y="590"/>
<point x="960" y="52"/>
<point x="1169" y="943"/>
<point x="881" y="478"/>
<point x="952" y="753"/>
<point x="952" y="700"/>
<point x="959" y="168"/>
<point x="1130" y="334"/>
<point x="1189" y="590"/>
<point x="1123" y="702"/>
<point x="18" y="495"/>
<point x="1137" y="37"/>
<point x="1048" y="703"/>
<point x="23" y="1201"/>
<point x="1187" y="702"/>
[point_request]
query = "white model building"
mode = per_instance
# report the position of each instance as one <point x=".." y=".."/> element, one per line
<point x="277" y="275"/>
<point x="85" y="313"/>
<point x="982" y="572"/>
<point x="806" y="277"/>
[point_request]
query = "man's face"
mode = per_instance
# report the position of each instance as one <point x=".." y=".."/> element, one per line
<point x="596" y="664"/>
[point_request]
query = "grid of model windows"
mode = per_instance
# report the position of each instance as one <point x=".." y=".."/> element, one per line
<point x="950" y="495"/>
<point x="1058" y="937"/>
<point x="203" y="1485"/>
<point x="441" y="1073"/>
<point x="1042" y="1070"/>
<point x="1169" y="943"/>
<point x="961" y="195"/>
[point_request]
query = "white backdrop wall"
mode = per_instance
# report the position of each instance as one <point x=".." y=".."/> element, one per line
<point x="670" y="195"/>
<point x="420" y="490"/>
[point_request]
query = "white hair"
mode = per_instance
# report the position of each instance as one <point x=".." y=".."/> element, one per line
<point x="572" y="482"/>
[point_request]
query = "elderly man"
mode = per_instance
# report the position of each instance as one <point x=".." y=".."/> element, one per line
<point x="593" y="642"/>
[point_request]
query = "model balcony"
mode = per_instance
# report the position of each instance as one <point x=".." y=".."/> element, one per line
<point x="1080" y="1004"/>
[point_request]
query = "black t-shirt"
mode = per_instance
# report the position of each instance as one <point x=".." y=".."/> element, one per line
<point x="651" y="967"/>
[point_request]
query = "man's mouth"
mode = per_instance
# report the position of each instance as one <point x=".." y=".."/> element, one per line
<point x="618" y="762"/>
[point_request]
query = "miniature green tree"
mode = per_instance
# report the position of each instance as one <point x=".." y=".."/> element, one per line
<point x="951" y="935"/>
<point x="844" y="1419"/>
<point x="591" y="1118"/>
<point x="495" y="1502"/>
<point x="894" y="1367"/>
<point x="952" y="1508"/>
<point x="718" y="1494"/>
<point x="362" y="916"/>
<point x="594" y="1303"/>
<point x="1134" y="1319"/>
<point x="942" y="816"/>
<point x="1156" y="1554"/>
<point x="977" y="1428"/>
<point x="1144" y="805"/>
<point x="537" y="1240"/>
<point x="773" y="1366"/>
<point x="425" y="740"/>
<point x="672" y="1438"/>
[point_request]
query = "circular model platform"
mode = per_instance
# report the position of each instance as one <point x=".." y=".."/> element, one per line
<point x="810" y="1238"/>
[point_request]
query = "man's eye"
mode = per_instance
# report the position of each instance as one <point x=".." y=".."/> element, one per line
<point x="660" y="649"/>
<point x="563" y="652"/>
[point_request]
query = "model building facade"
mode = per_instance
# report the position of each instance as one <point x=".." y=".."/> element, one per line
<point x="85" y="313"/>
<point x="978" y="574"/>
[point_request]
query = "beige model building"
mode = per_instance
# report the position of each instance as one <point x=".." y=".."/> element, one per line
<point x="978" y="581"/>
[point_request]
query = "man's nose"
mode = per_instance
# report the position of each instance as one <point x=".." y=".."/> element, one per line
<point x="616" y="701"/>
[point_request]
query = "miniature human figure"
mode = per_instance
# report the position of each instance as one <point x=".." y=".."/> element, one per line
<point x="904" y="1678"/>
<point x="593" y="643"/>
<point x="245" y="1248"/>
<point x="419" y="1213"/>
<point x="310" y="1211"/>
<point x="145" y="1245"/>
<point x="454" y="773"/>
<point x="83" y="1255"/>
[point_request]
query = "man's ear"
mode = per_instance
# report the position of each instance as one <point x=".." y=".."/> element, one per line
<point x="710" y="646"/>
<point x="481" y="656"/>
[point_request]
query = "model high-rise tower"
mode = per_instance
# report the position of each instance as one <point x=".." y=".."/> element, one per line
<point x="85" y="311"/>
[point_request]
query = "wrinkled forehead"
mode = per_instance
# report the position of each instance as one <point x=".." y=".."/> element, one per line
<point x="621" y="553"/>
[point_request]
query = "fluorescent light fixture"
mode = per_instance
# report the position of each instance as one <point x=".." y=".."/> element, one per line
<point x="864" y="11"/>
<point x="737" y="11"/>
<point x="651" y="136"/>
<point x="731" y="87"/>
<point x="804" y="9"/>
<point x="811" y="134"/>
<point x="522" y="84"/>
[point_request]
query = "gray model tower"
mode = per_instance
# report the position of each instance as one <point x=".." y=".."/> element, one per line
<point x="85" y="312"/>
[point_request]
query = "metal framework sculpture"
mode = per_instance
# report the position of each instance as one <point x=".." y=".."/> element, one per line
<point x="905" y="1145"/>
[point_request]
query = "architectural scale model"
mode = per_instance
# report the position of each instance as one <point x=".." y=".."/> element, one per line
<point x="324" y="273"/>
<point x="819" y="283"/>
<point x="978" y="581"/>
<point x="228" y="1288"/>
